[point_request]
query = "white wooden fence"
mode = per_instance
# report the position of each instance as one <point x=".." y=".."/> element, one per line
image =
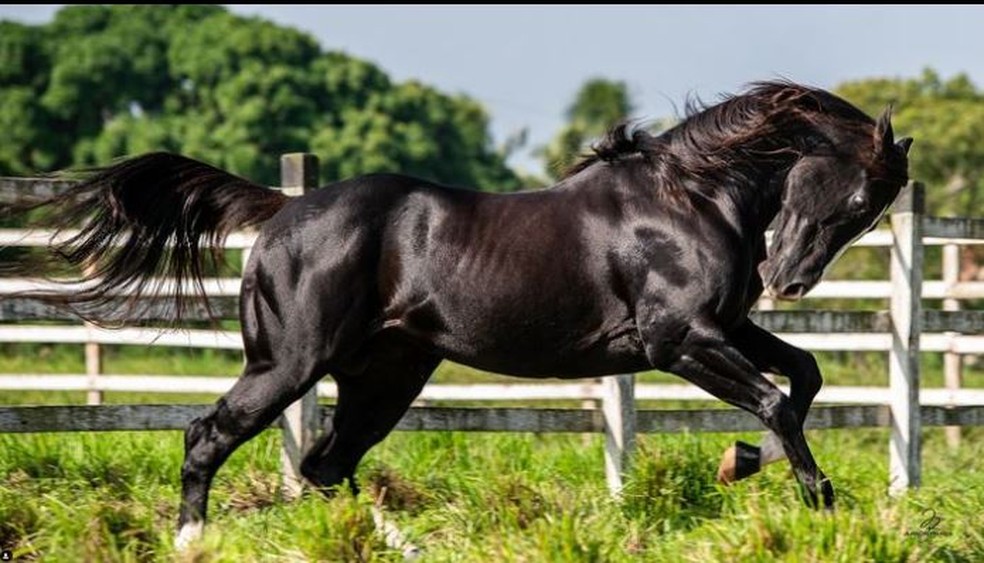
<point x="902" y="332"/>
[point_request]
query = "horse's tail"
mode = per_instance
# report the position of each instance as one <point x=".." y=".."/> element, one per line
<point x="143" y="221"/>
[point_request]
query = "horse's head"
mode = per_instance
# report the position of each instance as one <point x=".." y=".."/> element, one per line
<point x="832" y="196"/>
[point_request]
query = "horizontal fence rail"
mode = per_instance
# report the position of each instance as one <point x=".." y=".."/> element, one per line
<point x="183" y="384"/>
<point x="815" y="330"/>
<point x="84" y="418"/>
<point x="43" y="238"/>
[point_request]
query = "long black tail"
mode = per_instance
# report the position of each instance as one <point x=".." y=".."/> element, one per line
<point x="153" y="217"/>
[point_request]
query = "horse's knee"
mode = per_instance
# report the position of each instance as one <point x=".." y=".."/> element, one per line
<point x="810" y="374"/>
<point x="775" y="410"/>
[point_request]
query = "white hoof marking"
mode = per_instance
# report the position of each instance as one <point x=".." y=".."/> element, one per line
<point x="188" y="533"/>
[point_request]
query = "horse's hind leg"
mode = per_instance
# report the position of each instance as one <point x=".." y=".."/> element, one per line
<point x="370" y="404"/>
<point x="255" y="401"/>
<point x="285" y="356"/>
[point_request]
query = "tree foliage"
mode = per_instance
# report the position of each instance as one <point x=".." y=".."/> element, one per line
<point x="100" y="82"/>
<point x="946" y="119"/>
<point x="599" y="104"/>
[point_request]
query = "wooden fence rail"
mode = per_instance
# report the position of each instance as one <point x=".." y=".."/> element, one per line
<point x="903" y="331"/>
<point x="484" y="392"/>
<point x="101" y="418"/>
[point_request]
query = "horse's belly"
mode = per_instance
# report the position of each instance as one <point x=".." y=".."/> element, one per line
<point x="570" y="331"/>
<point x="546" y="354"/>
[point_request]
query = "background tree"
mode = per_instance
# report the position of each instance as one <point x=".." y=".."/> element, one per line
<point x="599" y="104"/>
<point x="100" y="82"/>
<point x="946" y="118"/>
<point x="28" y="140"/>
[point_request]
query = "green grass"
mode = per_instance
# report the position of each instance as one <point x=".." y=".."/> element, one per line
<point x="481" y="497"/>
<point x="476" y="496"/>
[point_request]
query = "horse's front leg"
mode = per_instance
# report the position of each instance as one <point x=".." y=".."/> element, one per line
<point x="712" y="361"/>
<point x="770" y="354"/>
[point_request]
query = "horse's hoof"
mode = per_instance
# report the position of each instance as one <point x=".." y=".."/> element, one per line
<point x="809" y="495"/>
<point x="188" y="533"/>
<point x="739" y="461"/>
<point x="827" y="492"/>
<point x="330" y="492"/>
<point x="813" y="493"/>
<point x="726" y="471"/>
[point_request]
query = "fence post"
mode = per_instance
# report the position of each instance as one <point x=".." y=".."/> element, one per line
<point x="298" y="173"/>
<point x="618" y="409"/>
<point x="593" y="388"/>
<point x="93" y="364"/>
<point x="93" y="367"/>
<point x="906" y="314"/>
<point x="952" y="362"/>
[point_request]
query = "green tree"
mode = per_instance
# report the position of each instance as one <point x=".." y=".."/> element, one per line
<point x="946" y="119"/>
<point x="100" y="82"/>
<point x="27" y="140"/>
<point x="598" y="105"/>
<point x="418" y="130"/>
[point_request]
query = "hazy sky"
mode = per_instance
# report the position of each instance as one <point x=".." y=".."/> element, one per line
<point x="526" y="62"/>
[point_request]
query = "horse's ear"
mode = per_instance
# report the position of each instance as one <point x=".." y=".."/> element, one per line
<point x="904" y="144"/>
<point x="884" y="137"/>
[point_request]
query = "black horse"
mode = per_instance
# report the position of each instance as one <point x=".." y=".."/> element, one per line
<point x="649" y="254"/>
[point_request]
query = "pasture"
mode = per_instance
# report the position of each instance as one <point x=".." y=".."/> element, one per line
<point x="478" y="496"/>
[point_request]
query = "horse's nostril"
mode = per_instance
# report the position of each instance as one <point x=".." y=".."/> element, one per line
<point x="793" y="292"/>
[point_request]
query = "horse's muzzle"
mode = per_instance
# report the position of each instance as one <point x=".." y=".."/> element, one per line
<point x="775" y="287"/>
<point x="792" y="292"/>
<point x="789" y="292"/>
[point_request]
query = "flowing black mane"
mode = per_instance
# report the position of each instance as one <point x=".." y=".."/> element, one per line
<point x="712" y="140"/>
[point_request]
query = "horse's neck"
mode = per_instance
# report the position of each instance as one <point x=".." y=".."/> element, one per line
<point x="763" y="201"/>
<point x="750" y="192"/>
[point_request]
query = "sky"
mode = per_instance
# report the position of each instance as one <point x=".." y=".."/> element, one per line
<point x="525" y="63"/>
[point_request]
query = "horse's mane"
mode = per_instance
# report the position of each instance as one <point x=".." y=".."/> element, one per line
<point x="713" y="139"/>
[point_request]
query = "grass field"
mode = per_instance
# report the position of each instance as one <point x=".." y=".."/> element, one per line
<point x="484" y="497"/>
<point x="476" y="496"/>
